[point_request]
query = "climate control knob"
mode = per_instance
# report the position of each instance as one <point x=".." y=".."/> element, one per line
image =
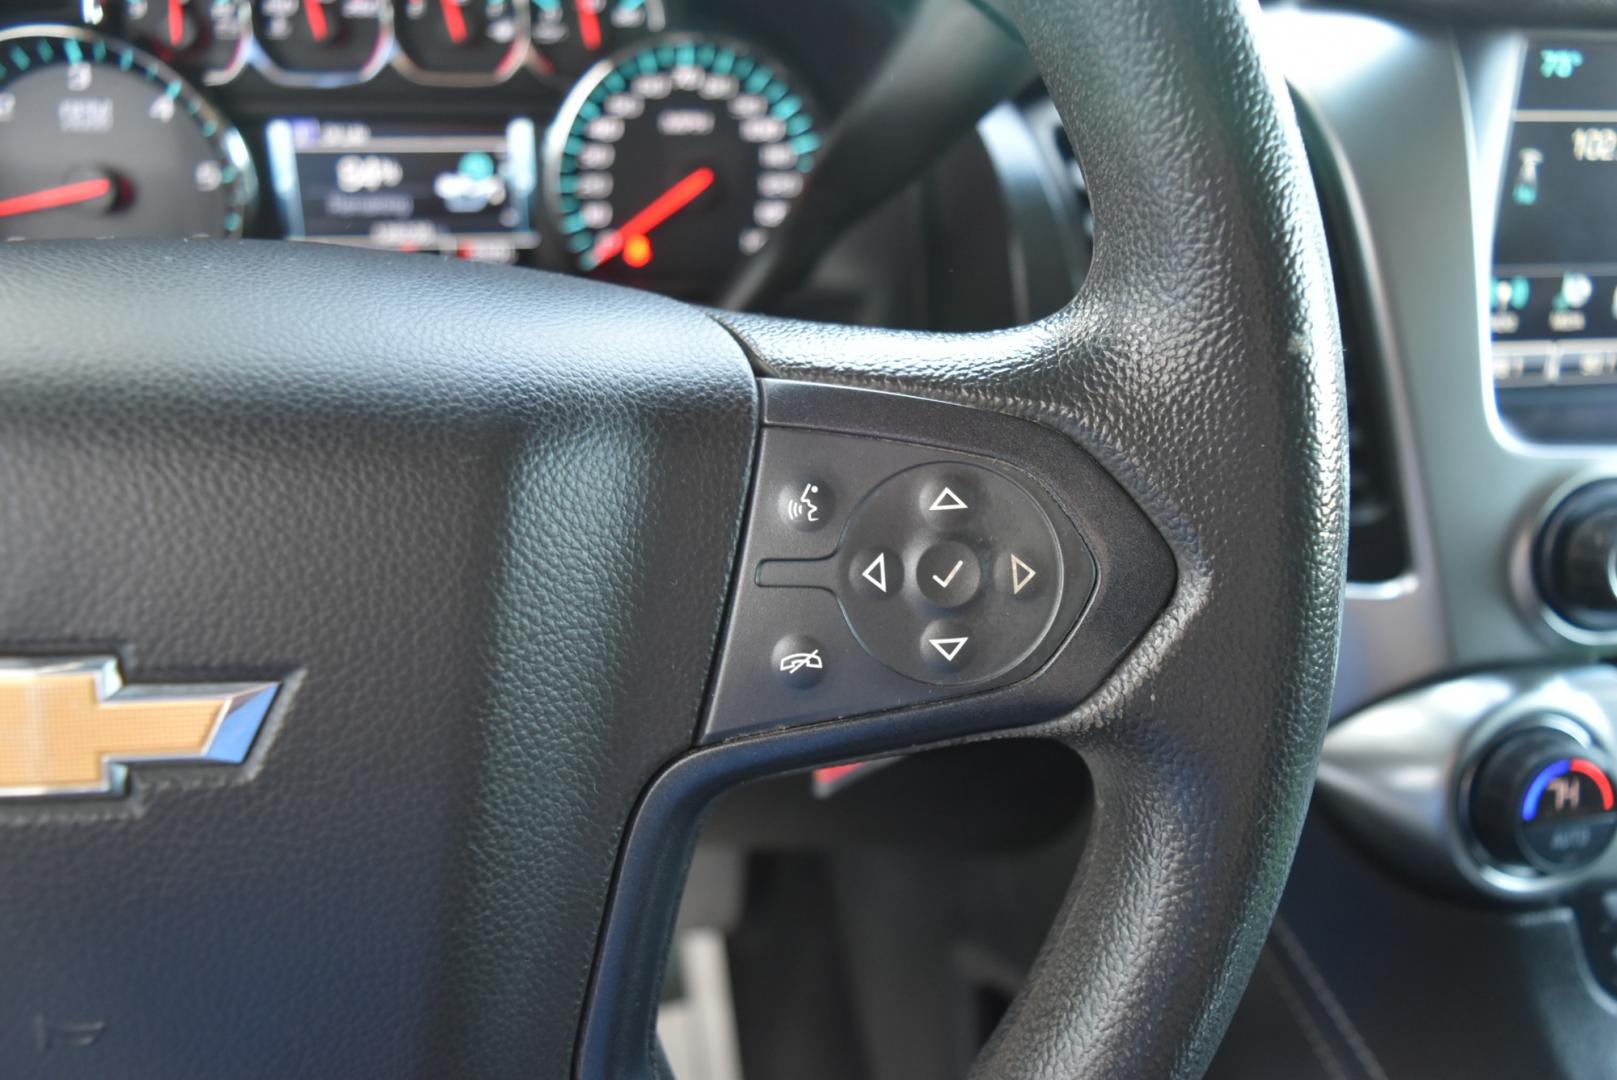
<point x="1543" y="800"/>
<point x="1576" y="557"/>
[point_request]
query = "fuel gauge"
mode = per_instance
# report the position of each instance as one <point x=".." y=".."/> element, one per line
<point x="323" y="42"/>
<point x="461" y="42"/>
<point x="570" y="35"/>
<point x="209" y="38"/>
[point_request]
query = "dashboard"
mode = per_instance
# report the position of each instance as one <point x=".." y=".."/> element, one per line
<point x="654" y="143"/>
<point x="665" y="144"/>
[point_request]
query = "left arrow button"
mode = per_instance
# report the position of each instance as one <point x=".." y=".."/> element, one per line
<point x="875" y="573"/>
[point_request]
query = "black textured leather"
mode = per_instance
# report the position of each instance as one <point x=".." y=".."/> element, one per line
<point x="1201" y="364"/>
<point x="483" y="520"/>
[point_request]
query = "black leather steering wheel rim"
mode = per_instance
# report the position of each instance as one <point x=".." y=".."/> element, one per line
<point x="1201" y="364"/>
<point x="392" y="485"/>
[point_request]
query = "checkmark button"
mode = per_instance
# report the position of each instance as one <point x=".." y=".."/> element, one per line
<point x="949" y="574"/>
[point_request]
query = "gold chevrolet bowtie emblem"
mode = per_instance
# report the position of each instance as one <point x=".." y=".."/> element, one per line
<point x="68" y="726"/>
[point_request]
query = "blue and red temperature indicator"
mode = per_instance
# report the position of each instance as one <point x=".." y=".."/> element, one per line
<point x="1571" y="787"/>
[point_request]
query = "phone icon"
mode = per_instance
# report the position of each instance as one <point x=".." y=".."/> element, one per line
<point x="792" y="663"/>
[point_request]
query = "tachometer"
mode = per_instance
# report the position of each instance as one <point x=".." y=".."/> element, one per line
<point x="99" y="139"/>
<point x="670" y="163"/>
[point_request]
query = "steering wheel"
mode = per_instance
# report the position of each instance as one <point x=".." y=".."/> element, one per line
<point x="471" y="562"/>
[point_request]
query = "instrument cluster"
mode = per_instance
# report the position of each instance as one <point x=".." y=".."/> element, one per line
<point x="581" y="135"/>
<point x="327" y="43"/>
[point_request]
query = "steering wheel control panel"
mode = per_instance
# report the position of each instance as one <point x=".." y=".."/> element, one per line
<point x="947" y="572"/>
<point x="878" y="574"/>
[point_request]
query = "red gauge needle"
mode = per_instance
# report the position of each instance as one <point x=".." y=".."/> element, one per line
<point x="315" y="10"/>
<point x="589" y="24"/>
<point x="52" y="197"/>
<point x="176" y="22"/>
<point x="656" y="212"/>
<point x="454" y="21"/>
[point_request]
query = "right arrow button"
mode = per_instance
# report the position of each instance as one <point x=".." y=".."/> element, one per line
<point x="1022" y="575"/>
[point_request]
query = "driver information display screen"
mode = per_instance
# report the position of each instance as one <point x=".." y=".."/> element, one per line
<point x="1553" y="294"/>
<point x="466" y="191"/>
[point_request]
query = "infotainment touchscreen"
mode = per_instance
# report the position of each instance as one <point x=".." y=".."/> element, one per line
<point x="1552" y="300"/>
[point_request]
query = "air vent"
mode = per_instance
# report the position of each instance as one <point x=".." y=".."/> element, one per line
<point x="1378" y="549"/>
<point x="1378" y="541"/>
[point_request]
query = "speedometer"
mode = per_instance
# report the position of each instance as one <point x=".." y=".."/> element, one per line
<point x="673" y="161"/>
<point x="98" y="139"/>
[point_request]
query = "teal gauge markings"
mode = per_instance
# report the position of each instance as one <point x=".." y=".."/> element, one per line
<point x="675" y="160"/>
<point x="117" y="144"/>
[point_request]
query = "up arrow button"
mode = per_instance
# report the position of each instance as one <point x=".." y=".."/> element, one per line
<point x="947" y="495"/>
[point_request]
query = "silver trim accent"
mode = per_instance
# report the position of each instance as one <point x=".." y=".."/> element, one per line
<point x="516" y="56"/>
<point x="380" y="57"/>
<point x="543" y="67"/>
<point x="1570" y="116"/>
<point x="241" y="715"/>
<point x="1523" y="584"/>
<point x="283" y="166"/>
<point x="1399" y="774"/>
<point x="244" y="49"/>
<point x="92" y="13"/>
